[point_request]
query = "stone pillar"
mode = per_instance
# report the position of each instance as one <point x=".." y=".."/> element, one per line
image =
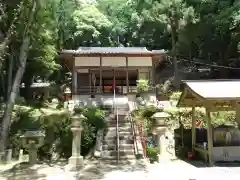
<point x="75" y="162"/>
<point x="32" y="155"/>
<point x="160" y="130"/>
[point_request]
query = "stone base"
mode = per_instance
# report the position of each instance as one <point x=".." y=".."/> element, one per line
<point x="75" y="163"/>
<point x="163" y="158"/>
<point x="97" y="154"/>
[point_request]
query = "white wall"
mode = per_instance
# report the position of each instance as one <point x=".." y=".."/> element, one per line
<point x="140" y="61"/>
<point x="87" y="61"/>
<point x="113" y="61"/>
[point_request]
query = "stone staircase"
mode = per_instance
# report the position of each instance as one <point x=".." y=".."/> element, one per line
<point x="110" y="145"/>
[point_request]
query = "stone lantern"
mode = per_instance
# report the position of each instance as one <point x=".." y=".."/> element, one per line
<point x="67" y="94"/>
<point x="75" y="162"/>
<point x="160" y="128"/>
<point x="32" y="140"/>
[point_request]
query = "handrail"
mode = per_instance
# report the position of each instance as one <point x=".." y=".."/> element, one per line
<point x="134" y="134"/>
<point x="115" y="112"/>
<point x="117" y="131"/>
<point x="137" y="146"/>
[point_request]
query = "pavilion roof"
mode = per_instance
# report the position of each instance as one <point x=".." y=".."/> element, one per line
<point x="112" y="50"/>
<point x="197" y="91"/>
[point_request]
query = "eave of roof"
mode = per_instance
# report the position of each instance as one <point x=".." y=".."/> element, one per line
<point x="112" y="51"/>
<point x="220" y="89"/>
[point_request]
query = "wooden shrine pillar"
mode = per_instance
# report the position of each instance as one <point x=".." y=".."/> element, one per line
<point x="74" y="78"/>
<point x="193" y="127"/>
<point x="209" y="135"/>
<point x="90" y="81"/>
<point x="100" y="76"/>
<point x="127" y="75"/>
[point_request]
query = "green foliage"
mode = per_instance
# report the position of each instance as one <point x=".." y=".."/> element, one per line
<point x="96" y="117"/>
<point x="144" y="115"/>
<point x="148" y="111"/>
<point x="175" y="96"/>
<point x="57" y="126"/>
<point x="152" y="154"/>
<point x="185" y="116"/>
<point x="142" y="85"/>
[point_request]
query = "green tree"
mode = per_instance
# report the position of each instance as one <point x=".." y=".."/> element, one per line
<point x="175" y="14"/>
<point x="29" y="12"/>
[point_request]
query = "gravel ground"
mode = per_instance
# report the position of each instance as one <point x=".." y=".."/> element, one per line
<point x="95" y="170"/>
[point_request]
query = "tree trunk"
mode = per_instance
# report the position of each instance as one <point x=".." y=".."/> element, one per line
<point x="175" y="65"/>
<point x="17" y="80"/>
<point x="10" y="73"/>
<point x="14" y="91"/>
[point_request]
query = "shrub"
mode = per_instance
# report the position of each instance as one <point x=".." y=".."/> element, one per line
<point x="175" y="96"/>
<point x="145" y="114"/>
<point x="142" y="85"/>
<point x="152" y="154"/>
<point x="185" y="116"/>
<point x="57" y="126"/>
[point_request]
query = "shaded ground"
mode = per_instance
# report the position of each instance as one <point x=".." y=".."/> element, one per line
<point x="98" y="170"/>
<point x="92" y="170"/>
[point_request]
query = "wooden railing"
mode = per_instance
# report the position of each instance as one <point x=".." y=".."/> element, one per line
<point x="104" y="90"/>
<point x="108" y="90"/>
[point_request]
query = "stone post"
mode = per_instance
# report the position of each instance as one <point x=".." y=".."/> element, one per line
<point x="160" y="130"/>
<point x="75" y="162"/>
<point x="32" y="155"/>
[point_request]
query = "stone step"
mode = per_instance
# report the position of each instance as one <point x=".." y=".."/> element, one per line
<point x="121" y="147"/>
<point x="120" y="129"/>
<point x="122" y="159"/>
<point x="113" y="133"/>
<point x="113" y="141"/>
<point x="115" y="153"/>
<point x="120" y="124"/>
<point x="121" y="137"/>
<point x="114" y="117"/>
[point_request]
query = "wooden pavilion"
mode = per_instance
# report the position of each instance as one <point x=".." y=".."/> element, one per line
<point x="213" y="95"/>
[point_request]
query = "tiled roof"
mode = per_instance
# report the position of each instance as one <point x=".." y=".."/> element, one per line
<point x="219" y="89"/>
<point x="216" y="89"/>
<point x="113" y="50"/>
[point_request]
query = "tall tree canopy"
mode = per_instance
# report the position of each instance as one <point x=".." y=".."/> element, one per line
<point x="199" y="31"/>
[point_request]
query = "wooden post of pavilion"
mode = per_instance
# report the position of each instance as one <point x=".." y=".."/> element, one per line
<point x="193" y="127"/>
<point x="238" y="113"/>
<point x="209" y="135"/>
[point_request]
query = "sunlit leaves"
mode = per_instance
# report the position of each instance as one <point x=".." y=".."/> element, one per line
<point x="89" y="19"/>
<point x="175" y="13"/>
